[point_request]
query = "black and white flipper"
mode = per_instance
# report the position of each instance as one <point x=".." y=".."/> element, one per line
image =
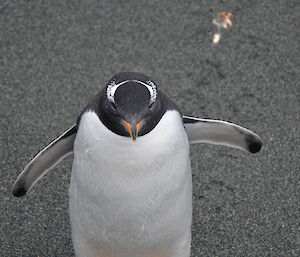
<point x="221" y="133"/>
<point x="45" y="160"/>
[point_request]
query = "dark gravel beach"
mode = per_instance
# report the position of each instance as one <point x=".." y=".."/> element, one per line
<point x="55" y="55"/>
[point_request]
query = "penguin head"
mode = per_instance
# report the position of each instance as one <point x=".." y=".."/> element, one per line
<point x="131" y="105"/>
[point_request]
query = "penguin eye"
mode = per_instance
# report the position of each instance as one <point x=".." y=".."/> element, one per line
<point x="151" y="105"/>
<point x="114" y="105"/>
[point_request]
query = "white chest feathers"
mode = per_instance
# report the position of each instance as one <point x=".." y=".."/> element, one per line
<point x="130" y="197"/>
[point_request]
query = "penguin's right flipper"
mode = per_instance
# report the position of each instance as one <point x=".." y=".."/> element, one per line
<point x="45" y="160"/>
<point x="221" y="133"/>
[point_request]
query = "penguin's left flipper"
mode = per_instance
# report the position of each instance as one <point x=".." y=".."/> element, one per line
<point x="45" y="160"/>
<point x="221" y="133"/>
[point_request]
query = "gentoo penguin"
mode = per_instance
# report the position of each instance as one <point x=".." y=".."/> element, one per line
<point x="131" y="183"/>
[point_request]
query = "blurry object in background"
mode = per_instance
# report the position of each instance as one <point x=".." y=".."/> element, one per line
<point x="216" y="38"/>
<point x="223" y="20"/>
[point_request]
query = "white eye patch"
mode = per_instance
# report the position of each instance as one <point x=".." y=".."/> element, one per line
<point x="112" y="87"/>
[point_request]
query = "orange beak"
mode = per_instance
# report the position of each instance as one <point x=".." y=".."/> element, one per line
<point x="133" y="131"/>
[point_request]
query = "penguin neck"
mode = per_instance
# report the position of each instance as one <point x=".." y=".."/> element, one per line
<point x="155" y="148"/>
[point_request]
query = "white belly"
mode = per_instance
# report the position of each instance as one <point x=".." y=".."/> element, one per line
<point x="130" y="198"/>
